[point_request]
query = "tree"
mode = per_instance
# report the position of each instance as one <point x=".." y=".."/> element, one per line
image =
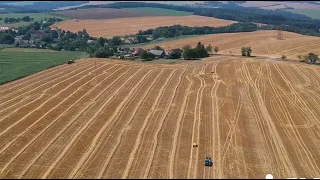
<point x="246" y="51"/>
<point x="145" y="55"/>
<point x="313" y="58"/>
<point x="54" y="34"/>
<point x="101" y="41"/>
<point x="216" y="49"/>
<point x="299" y="57"/>
<point x="26" y="18"/>
<point x="104" y="53"/>
<point x="175" y="54"/>
<point x="158" y="48"/>
<point x="243" y="51"/>
<point x="209" y="48"/>
<point x="249" y="50"/>
<point x="201" y="51"/>
<point x="141" y="39"/>
<point x="47" y="38"/>
<point x="186" y="47"/>
<point x="6" y="38"/>
<point x="26" y="37"/>
<point x="283" y="57"/>
<point x="116" y="41"/>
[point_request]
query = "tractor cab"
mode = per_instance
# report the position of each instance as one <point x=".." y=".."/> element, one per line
<point x="207" y="161"/>
<point x="70" y="61"/>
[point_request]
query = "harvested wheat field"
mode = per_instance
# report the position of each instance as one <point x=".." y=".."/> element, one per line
<point x="133" y="120"/>
<point x="127" y="26"/>
<point x="263" y="43"/>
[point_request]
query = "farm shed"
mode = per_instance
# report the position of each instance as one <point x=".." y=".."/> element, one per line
<point x="158" y="53"/>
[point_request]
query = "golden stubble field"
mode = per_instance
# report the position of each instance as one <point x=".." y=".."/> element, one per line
<point x="263" y="43"/>
<point x="127" y="26"/>
<point x="135" y="120"/>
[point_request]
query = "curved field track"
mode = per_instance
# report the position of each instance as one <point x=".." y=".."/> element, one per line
<point x="134" y="120"/>
<point x="126" y="26"/>
<point x="262" y="43"/>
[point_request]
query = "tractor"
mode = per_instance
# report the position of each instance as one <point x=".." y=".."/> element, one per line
<point x="70" y="61"/>
<point x="208" y="162"/>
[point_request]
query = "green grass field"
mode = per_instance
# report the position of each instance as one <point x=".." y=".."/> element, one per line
<point x="313" y="13"/>
<point x="36" y="16"/>
<point x="20" y="64"/>
<point x="160" y="11"/>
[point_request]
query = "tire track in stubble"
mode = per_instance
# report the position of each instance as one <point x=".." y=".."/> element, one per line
<point x="95" y="143"/>
<point x="69" y="124"/>
<point x="52" y="122"/>
<point x="123" y="130"/>
<point x="29" y="127"/>
<point x="215" y="121"/>
<point x="39" y="75"/>
<point x="197" y="120"/>
<point x="177" y="130"/>
<point x="65" y="150"/>
<point x="54" y="79"/>
<point x="296" y="132"/>
<point x="43" y="93"/>
<point x="277" y="145"/>
<point x="45" y="102"/>
<point x="155" y="138"/>
<point x="138" y="139"/>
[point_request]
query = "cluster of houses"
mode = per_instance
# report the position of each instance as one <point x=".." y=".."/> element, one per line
<point x="127" y="53"/>
<point x="5" y="28"/>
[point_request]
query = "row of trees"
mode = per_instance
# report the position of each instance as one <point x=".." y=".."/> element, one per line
<point x="177" y="30"/>
<point x="310" y="58"/>
<point x="8" y="20"/>
<point x="195" y="53"/>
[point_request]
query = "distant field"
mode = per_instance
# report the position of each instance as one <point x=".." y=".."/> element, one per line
<point x="36" y="16"/>
<point x="14" y="49"/>
<point x="20" y="64"/>
<point x="277" y="5"/>
<point x="263" y="43"/>
<point x="102" y="13"/>
<point x="161" y="11"/>
<point x="313" y="13"/>
<point x="127" y="26"/>
<point x="3" y="46"/>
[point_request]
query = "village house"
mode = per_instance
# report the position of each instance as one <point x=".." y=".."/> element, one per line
<point x="37" y="34"/>
<point x="137" y="52"/>
<point x="158" y="53"/>
<point x="3" y="28"/>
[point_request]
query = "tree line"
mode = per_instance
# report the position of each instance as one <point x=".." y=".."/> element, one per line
<point x="178" y="30"/>
<point x="8" y="20"/>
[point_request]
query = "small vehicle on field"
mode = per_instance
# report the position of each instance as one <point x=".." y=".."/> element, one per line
<point x="208" y="162"/>
<point x="70" y="61"/>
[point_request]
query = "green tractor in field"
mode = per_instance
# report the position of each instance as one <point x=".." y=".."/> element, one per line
<point x="71" y="62"/>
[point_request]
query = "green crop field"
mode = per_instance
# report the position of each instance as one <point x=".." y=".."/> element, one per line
<point x="20" y="64"/>
<point x="36" y="16"/>
<point x="160" y="11"/>
<point x="313" y="13"/>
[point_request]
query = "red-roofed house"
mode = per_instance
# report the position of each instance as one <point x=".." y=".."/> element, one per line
<point x="137" y="52"/>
